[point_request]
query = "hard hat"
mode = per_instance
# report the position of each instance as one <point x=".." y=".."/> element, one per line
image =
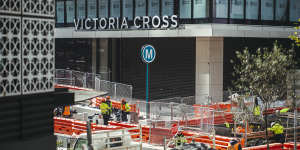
<point x="98" y="98"/>
<point x="272" y="124"/>
<point x="107" y="97"/>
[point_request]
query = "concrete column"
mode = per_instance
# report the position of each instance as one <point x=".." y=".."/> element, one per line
<point x="103" y="49"/>
<point x="209" y="69"/>
<point x="94" y="55"/>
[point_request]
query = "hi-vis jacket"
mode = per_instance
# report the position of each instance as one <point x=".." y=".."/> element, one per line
<point x="104" y="108"/>
<point x="125" y="107"/>
<point x="277" y="128"/>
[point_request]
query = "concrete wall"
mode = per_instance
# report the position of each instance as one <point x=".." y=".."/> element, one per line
<point x="209" y="69"/>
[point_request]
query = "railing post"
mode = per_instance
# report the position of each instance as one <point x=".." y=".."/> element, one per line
<point x="171" y="110"/>
<point x="115" y="91"/>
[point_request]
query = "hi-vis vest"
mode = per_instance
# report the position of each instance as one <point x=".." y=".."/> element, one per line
<point x="256" y="111"/>
<point x="104" y="108"/>
<point x="277" y="128"/>
<point x="67" y="111"/>
<point x="125" y="107"/>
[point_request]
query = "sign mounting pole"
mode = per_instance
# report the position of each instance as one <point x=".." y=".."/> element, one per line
<point x="148" y="54"/>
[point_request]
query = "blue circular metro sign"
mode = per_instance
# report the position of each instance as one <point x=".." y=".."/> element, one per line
<point x="148" y="53"/>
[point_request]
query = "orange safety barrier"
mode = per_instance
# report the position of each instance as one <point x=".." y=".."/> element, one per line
<point x="157" y="135"/>
<point x="273" y="146"/>
<point x="290" y="146"/>
<point x="71" y="126"/>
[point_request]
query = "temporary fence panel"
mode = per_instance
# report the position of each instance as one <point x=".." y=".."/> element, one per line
<point x="107" y="86"/>
<point x="123" y="91"/>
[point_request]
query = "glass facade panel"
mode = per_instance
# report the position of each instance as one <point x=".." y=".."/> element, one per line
<point x="185" y="7"/>
<point x="70" y="11"/>
<point x="267" y="10"/>
<point x="294" y="10"/>
<point x="128" y="9"/>
<point x="237" y="9"/>
<point x="60" y="12"/>
<point x="168" y="7"/>
<point x="103" y="8"/>
<point x="281" y="10"/>
<point x="252" y="9"/>
<point x="140" y="7"/>
<point x="115" y="8"/>
<point x="92" y="8"/>
<point x="221" y="9"/>
<point x="81" y="8"/>
<point x="200" y="9"/>
<point x="153" y="9"/>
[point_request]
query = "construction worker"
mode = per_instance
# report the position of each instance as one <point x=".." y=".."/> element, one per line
<point x="277" y="129"/>
<point x="256" y="111"/>
<point x="125" y="109"/>
<point x="180" y="140"/>
<point x="104" y="111"/>
<point x="234" y="145"/>
<point x="109" y="103"/>
<point x="67" y="111"/>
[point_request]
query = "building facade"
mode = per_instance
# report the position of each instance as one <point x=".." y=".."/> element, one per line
<point x="194" y="40"/>
<point x="27" y="67"/>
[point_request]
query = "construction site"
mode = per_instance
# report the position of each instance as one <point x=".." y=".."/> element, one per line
<point x="155" y="124"/>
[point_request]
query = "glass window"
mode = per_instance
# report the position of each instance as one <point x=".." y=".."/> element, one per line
<point x="267" y="9"/>
<point x="281" y="10"/>
<point x="128" y="9"/>
<point x="81" y="8"/>
<point x="115" y="8"/>
<point x="221" y="8"/>
<point x="103" y="8"/>
<point x="294" y="10"/>
<point x="200" y="9"/>
<point x="70" y="11"/>
<point x="92" y="8"/>
<point x="168" y="7"/>
<point x="252" y="9"/>
<point x="185" y="7"/>
<point x="153" y="8"/>
<point x="140" y="7"/>
<point x="237" y="9"/>
<point x="60" y="12"/>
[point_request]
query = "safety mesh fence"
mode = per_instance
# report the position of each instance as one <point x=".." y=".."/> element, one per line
<point x="94" y="81"/>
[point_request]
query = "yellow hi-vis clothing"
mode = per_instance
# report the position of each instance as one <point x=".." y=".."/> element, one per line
<point x="104" y="108"/>
<point x="125" y="107"/>
<point x="256" y="111"/>
<point x="180" y="140"/>
<point x="110" y="106"/>
<point x="277" y="128"/>
<point x="284" y="110"/>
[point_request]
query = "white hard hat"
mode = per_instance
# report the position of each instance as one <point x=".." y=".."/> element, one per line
<point x="272" y="124"/>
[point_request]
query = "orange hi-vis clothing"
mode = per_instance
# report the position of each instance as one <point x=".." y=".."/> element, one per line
<point x="125" y="107"/>
<point x="67" y="111"/>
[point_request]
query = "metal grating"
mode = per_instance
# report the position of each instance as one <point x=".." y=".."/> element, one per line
<point x="26" y="47"/>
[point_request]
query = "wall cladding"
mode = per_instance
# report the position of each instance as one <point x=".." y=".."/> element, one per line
<point x="26" y="46"/>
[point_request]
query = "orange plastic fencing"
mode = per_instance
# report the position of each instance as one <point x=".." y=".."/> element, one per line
<point x="290" y="146"/>
<point x="273" y="146"/>
<point x="72" y="126"/>
<point x="158" y="134"/>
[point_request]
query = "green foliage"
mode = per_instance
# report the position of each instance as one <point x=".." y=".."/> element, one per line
<point x="264" y="72"/>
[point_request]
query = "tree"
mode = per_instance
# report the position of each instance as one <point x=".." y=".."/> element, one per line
<point x="264" y="73"/>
